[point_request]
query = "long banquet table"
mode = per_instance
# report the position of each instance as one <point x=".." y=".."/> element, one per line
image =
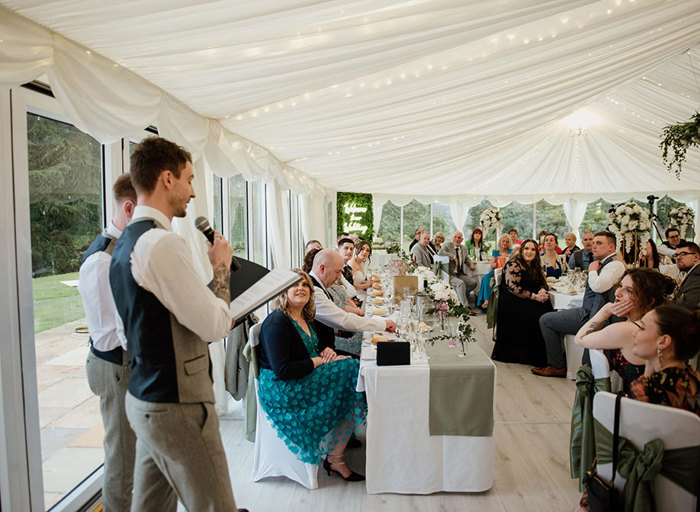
<point x="402" y="456"/>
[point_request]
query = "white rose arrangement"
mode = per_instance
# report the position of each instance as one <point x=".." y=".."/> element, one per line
<point x="683" y="217"/>
<point x="630" y="219"/>
<point x="491" y="218"/>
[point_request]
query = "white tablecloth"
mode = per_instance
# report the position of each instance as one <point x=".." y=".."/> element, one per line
<point x="565" y="300"/>
<point x="574" y="352"/>
<point x="402" y="456"/>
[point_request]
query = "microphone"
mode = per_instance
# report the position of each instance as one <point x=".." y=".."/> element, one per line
<point x="202" y="224"/>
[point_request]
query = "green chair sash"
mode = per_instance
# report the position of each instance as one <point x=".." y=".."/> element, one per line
<point x="492" y="310"/>
<point x="582" y="445"/>
<point x="681" y="466"/>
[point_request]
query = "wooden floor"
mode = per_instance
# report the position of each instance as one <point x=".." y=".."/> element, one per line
<point x="533" y="417"/>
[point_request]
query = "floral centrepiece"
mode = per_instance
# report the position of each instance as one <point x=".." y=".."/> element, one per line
<point x="465" y="331"/>
<point x="630" y="219"/>
<point x="491" y="218"/>
<point x="683" y="217"/>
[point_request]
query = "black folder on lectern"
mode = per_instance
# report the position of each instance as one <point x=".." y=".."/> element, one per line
<point x="253" y="285"/>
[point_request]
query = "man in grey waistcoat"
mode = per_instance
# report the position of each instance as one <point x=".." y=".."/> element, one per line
<point x="169" y="317"/>
<point x="106" y="365"/>
<point x="603" y="275"/>
<point x="462" y="282"/>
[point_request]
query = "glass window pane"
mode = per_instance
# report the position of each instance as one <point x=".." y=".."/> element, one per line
<point x="442" y="221"/>
<point x="551" y="218"/>
<point x="595" y="218"/>
<point x="518" y="216"/>
<point x="663" y="211"/>
<point x="238" y="215"/>
<point x="390" y="223"/>
<point x="65" y="195"/>
<point x="415" y="215"/>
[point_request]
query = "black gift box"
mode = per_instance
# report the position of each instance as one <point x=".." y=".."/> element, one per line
<point x="393" y="353"/>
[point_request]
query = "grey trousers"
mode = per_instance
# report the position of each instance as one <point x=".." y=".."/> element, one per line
<point x="179" y="455"/>
<point x="109" y="381"/>
<point x="554" y="326"/>
<point x="463" y="285"/>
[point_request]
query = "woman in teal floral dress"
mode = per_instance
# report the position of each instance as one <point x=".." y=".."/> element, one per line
<point x="306" y="390"/>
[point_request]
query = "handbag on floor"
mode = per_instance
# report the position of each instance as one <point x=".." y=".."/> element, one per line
<point x="602" y="495"/>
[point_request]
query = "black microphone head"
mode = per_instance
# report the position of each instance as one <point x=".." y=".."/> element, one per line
<point x="202" y="224"/>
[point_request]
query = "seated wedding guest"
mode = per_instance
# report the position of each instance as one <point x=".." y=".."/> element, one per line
<point x="438" y="240"/>
<point x="513" y="233"/>
<point x="346" y="249"/>
<point x="475" y="244"/>
<point x="313" y="244"/>
<point x="687" y="256"/>
<point x="305" y="389"/>
<point x="327" y="267"/>
<point x="649" y="258"/>
<point x="421" y="252"/>
<point x="498" y="260"/>
<point x="462" y="282"/>
<point x="540" y="246"/>
<point x="581" y="259"/>
<point x="667" y="337"/>
<point x="553" y="264"/>
<point x="571" y="247"/>
<point x="345" y="342"/>
<point x="640" y="291"/>
<point x="340" y="237"/>
<point x="417" y="234"/>
<point x="673" y="239"/>
<point x="522" y="300"/>
<point x="361" y="254"/>
<point x="603" y="274"/>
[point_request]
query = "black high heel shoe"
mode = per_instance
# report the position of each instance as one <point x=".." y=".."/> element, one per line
<point x="354" y="477"/>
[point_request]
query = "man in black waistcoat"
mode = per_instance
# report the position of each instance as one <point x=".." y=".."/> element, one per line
<point x="106" y="365"/>
<point x="603" y="275"/>
<point x="169" y="318"/>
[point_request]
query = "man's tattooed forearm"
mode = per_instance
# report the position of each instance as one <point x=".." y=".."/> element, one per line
<point x="220" y="284"/>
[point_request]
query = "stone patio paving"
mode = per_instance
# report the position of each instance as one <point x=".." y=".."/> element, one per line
<point x="69" y="413"/>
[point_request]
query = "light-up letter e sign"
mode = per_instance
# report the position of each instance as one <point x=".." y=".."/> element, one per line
<point x="354" y="226"/>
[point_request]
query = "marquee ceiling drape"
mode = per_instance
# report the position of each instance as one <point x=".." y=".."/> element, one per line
<point x="439" y="98"/>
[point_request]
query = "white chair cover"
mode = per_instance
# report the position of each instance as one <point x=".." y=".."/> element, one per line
<point x="599" y="364"/>
<point x="271" y="457"/>
<point x="574" y="355"/>
<point x="640" y="423"/>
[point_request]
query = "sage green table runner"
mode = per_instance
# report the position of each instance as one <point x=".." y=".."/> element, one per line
<point x="461" y="392"/>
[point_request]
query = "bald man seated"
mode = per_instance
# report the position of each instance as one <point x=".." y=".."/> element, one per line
<point x="327" y="268"/>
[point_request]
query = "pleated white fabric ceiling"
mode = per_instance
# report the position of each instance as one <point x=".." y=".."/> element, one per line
<point x="515" y="99"/>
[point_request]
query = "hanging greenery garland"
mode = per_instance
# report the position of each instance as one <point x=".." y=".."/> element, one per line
<point x="677" y="138"/>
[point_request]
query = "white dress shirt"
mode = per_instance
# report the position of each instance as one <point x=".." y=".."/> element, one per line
<point x="161" y="263"/>
<point x="96" y="293"/>
<point x="330" y="314"/>
<point x="352" y="292"/>
<point x="608" y="276"/>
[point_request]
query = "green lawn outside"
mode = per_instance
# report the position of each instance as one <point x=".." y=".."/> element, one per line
<point x="55" y="303"/>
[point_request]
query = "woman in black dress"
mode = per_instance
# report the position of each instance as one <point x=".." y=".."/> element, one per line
<point x="522" y="300"/>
